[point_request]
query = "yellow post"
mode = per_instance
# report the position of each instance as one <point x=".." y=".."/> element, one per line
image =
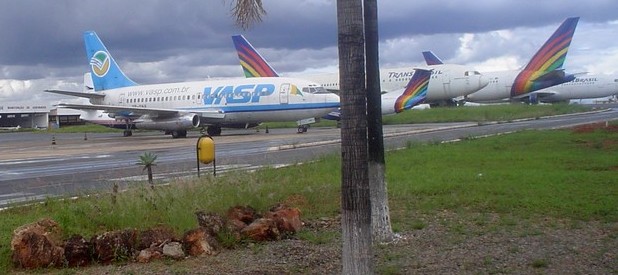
<point x="205" y="149"/>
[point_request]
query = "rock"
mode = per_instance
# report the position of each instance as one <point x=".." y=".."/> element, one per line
<point x="114" y="245"/>
<point x="37" y="245"/>
<point x="149" y="254"/>
<point x="212" y="222"/>
<point x="262" y="229"/>
<point x="199" y="241"/>
<point x="155" y="237"/>
<point x="47" y="227"/>
<point x="245" y="214"/>
<point x="173" y="250"/>
<point x="77" y="251"/>
<point x="286" y="218"/>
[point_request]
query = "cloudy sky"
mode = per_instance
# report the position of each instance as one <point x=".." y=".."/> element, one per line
<point x="155" y="41"/>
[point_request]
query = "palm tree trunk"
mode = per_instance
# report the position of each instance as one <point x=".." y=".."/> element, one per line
<point x="355" y="200"/>
<point x="380" y="217"/>
<point x="150" y="177"/>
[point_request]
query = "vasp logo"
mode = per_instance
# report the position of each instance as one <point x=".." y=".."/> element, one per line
<point x="100" y="63"/>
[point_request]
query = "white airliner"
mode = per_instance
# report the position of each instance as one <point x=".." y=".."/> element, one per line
<point x="177" y="107"/>
<point x="446" y="82"/>
<point x="582" y="87"/>
<point x="544" y="70"/>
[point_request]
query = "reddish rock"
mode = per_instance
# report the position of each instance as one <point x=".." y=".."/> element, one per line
<point x="199" y="241"/>
<point x="37" y="245"/>
<point x="286" y="218"/>
<point x="115" y="245"/>
<point x="262" y="230"/>
<point x="245" y="214"/>
<point x="235" y="225"/>
<point x="149" y="254"/>
<point x="34" y="250"/>
<point x="155" y="237"/>
<point x="77" y="251"/>
<point x="46" y="227"/>
<point x="212" y="222"/>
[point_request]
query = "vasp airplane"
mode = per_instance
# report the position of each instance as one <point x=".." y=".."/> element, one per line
<point x="446" y="82"/>
<point x="177" y="107"/>
<point x="544" y="70"/>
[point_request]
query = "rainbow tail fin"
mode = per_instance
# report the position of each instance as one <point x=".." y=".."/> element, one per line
<point x="104" y="71"/>
<point x="415" y="92"/>
<point x="431" y="58"/>
<point x="253" y="64"/>
<point x="545" y="68"/>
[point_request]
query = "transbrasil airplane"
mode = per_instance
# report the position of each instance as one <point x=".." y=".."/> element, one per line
<point x="544" y="70"/>
<point x="177" y="107"/>
<point x="415" y="93"/>
<point x="447" y="81"/>
<point x="582" y="87"/>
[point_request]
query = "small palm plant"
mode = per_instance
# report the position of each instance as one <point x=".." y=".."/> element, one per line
<point x="148" y="161"/>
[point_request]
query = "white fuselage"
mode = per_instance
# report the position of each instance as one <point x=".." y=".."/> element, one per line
<point x="447" y="81"/>
<point x="584" y="87"/>
<point x="237" y="100"/>
<point x="498" y="89"/>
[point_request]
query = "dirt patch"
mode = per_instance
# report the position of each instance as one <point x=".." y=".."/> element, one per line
<point x="589" y="128"/>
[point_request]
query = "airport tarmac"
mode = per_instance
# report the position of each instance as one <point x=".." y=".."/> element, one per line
<point x="29" y="145"/>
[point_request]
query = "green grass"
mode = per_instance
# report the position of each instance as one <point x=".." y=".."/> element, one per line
<point x="523" y="176"/>
<point x="506" y="112"/>
<point x="533" y="173"/>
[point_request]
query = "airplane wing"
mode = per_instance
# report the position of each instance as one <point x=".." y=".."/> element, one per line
<point x="139" y="111"/>
<point x="543" y="94"/>
<point x="78" y="94"/>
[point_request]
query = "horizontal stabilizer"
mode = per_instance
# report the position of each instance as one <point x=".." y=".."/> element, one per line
<point x="78" y="94"/>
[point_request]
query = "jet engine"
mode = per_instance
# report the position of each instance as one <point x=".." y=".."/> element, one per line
<point x="183" y="122"/>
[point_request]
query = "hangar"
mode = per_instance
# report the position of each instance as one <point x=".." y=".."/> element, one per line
<point x="23" y="115"/>
<point x="36" y="116"/>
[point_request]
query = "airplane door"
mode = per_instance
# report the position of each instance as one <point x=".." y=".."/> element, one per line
<point x="121" y="98"/>
<point x="446" y="84"/>
<point x="197" y="98"/>
<point x="284" y="93"/>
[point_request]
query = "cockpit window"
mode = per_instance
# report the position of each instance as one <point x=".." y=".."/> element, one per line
<point x="469" y="73"/>
<point x="315" y="90"/>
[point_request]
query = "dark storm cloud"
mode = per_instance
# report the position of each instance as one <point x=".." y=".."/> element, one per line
<point x="162" y="41"/>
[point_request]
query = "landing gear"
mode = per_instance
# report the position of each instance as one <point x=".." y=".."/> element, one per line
<point x="213" y="130"/>
<point x="127" y="132"/>
<point x="179" y="134"/>
<point x="303" y="124"/>
<point x="302" y="128"/>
